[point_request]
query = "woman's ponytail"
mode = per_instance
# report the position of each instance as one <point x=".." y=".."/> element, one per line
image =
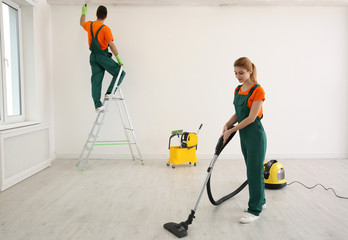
<point x="253" y="75"/>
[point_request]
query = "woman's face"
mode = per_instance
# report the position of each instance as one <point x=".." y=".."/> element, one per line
<point x="242" y="74"/>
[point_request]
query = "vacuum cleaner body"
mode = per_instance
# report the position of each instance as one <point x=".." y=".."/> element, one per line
<point x="274" y="175"/>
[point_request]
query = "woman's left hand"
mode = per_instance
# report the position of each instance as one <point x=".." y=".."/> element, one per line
<point x="226" y="135"/>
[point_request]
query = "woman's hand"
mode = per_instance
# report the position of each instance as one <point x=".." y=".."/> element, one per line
<point x="227" y="134"/>
<point x="224" y="130"/>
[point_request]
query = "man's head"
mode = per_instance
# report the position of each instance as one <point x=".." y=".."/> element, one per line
<point x="102" y="12"/>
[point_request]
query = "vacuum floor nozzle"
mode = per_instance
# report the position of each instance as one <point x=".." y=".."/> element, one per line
<point x="176" y="228"/>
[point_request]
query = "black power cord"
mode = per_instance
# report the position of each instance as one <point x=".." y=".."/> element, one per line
<point x="318" y="184"/>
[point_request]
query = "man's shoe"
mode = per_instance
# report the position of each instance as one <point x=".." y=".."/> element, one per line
<point x="108" y="96"/>
<point x="100" y="109"/>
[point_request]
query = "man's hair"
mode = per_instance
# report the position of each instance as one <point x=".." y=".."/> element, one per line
<point x="102" y="12"/>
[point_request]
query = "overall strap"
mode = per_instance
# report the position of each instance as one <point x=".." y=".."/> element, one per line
<point x="238" y="88"/>
<point x="252" y="90"/>
<point x="92" y="30"/>
<point x="99" y="30"/>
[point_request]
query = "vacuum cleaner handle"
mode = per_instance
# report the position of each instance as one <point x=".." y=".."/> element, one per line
<point x="220" y="145"/>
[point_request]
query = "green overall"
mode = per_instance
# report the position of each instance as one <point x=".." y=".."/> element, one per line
<point x="100" y="61"/>
<point x="253" y="142"/>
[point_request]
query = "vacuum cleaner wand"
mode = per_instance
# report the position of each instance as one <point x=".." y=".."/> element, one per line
<point x="180" y="229"/>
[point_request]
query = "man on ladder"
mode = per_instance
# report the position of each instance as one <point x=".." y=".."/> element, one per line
<point x="100" y="39"/>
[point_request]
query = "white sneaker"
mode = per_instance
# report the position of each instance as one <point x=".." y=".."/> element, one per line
<point x="264" y="206"/>
<point x="248" y="218"/>
<point x="108" y="95"/>
<point x="100" y="109"/>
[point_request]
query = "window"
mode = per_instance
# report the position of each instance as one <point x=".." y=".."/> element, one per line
<point x="11" y="94"/>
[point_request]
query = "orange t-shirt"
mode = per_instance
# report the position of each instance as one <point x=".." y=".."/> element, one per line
<point x="104" y="35"/>
<point x="258" y="94"/>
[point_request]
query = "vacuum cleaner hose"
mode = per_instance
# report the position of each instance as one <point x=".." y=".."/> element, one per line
<point x="219" y="147"/>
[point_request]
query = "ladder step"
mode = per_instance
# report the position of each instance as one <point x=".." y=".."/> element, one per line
<point x="99" y="123"/>
<point x="114" y="98"/>
<point x="129" y="129"/>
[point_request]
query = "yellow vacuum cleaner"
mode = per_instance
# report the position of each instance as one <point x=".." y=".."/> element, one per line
<point x="186" y="152"/>
<point x="274" y="175"/>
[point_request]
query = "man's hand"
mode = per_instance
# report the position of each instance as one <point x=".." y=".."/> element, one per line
<point x="119" y="60"/>
<point x="84" y="9"/>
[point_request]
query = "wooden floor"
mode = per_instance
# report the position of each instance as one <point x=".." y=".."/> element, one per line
<point x="121" y="199"/>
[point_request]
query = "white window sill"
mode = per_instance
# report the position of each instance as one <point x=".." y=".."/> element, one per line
<point x="17" y="125"/>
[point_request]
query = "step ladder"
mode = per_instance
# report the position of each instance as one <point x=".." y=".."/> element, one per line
<point x="99" y="122"/>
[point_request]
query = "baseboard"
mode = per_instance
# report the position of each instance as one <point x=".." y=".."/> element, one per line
<point x="9" y="182"/>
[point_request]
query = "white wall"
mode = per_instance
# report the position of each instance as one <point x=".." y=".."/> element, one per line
<point x="179" y="64"/>
<point x="36" y="142"/>
<point x="41" y="88"/>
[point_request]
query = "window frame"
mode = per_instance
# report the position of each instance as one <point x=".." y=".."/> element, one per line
<point x="4" y="118"/>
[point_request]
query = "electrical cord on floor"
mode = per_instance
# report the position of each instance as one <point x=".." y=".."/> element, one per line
<point x="318" y="184"/>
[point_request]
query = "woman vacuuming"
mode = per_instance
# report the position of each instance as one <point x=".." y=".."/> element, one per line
<point x="248" y="100"/>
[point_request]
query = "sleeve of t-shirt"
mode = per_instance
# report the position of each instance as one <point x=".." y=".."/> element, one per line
<point x="87" y="26"/>
<point x="258" y="94"/>
<point x="108" y="35"/>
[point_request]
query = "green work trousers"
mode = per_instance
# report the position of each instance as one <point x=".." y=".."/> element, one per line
<point x="99" y="63"/>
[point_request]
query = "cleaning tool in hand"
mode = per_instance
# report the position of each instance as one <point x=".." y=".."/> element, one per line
<point x="84" y="9"/>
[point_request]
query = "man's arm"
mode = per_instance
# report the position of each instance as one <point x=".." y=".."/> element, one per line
<point x="115" y="52"/>
<point x="83" y="15"/>
<point x="113" y="48"/>
<point x="82" y="20"/>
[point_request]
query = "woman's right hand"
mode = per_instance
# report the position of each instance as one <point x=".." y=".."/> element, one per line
<point x="224" y="130"/>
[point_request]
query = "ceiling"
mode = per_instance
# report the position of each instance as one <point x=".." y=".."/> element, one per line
<point x="202" y="2"/>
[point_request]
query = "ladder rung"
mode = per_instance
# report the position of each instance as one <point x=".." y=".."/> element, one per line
<point x="98" y="123"/>
<point x="137" y="158"/>
<point x="130" y="129"/>
<point x="114" y="98"/>
<point x="93" y="136"/>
